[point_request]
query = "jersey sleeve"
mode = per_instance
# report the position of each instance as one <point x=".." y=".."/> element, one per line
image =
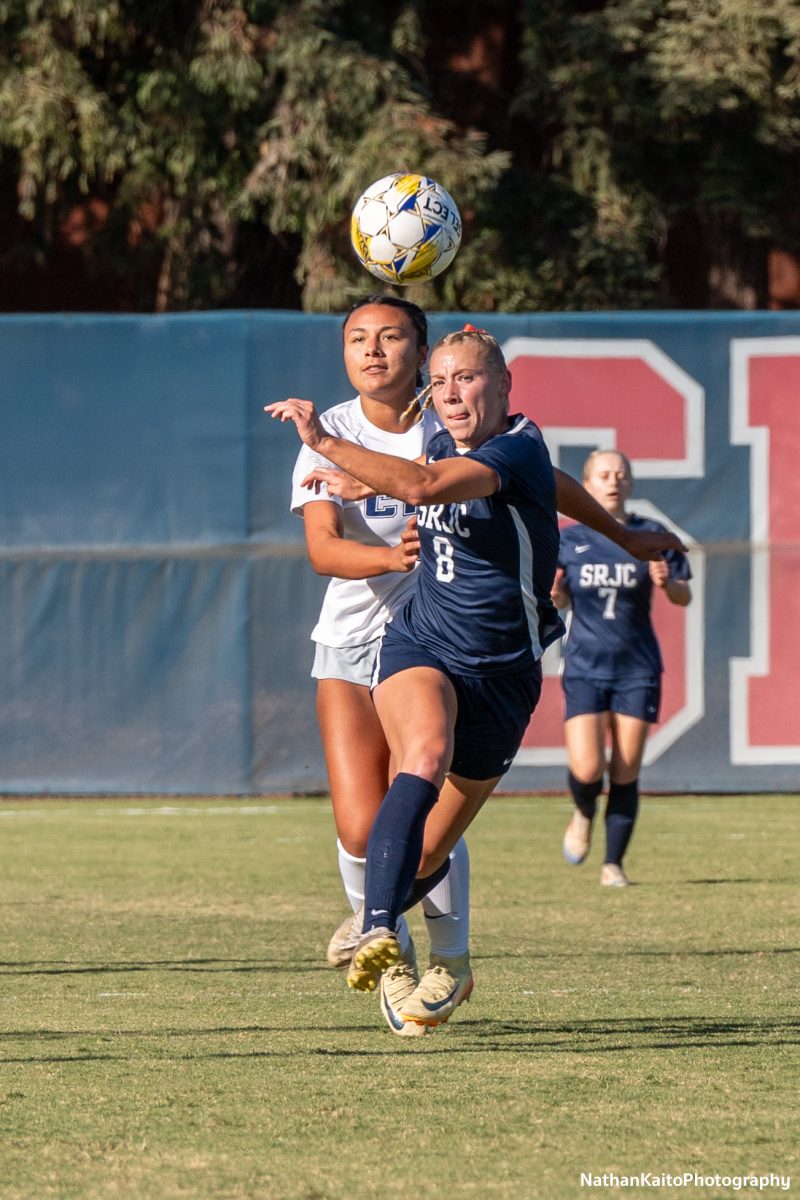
<point x="522" y="463"/>
<point x="678" y="565"/>
<point x="306" y="461"/>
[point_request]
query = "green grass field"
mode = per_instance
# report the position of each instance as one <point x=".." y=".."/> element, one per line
<point x="170" y="1029"/>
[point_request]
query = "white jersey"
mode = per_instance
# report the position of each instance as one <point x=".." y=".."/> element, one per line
<point x="355" y="611"/>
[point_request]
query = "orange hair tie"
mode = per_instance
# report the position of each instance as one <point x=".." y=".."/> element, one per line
<point x="472" y="329"/>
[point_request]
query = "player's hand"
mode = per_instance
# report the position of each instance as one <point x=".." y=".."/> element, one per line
<point x="305" y="418"/>
<point x="659" y="572"/>
<point x="338" y="483"/>
<point x="651" y="544"/>
<point x="558" y="593"/>
<point x="406" y="553"/>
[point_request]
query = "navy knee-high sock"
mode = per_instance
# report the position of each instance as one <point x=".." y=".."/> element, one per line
<point x="621" y="810"/>
<point x="394" y="849"/>
<point x="585" y="794"/>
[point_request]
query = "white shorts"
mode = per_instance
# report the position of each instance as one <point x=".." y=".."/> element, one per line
<point x="352" y="663"/>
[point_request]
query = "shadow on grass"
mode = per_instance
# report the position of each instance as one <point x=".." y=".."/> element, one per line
<point x="618" y="952"/>
<point x="220" y="965"/>
<point x="705" y="882"/>
<point x="593" y="1037"/>
<point x="519" y="1038"/>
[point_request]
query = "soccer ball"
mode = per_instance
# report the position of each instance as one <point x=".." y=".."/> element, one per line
<point x="405" y="228"/>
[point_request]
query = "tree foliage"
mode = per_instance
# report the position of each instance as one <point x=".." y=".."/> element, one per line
<point x="163" y="156"/>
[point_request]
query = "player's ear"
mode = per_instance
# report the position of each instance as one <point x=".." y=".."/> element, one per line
<point x="505" y="385"/>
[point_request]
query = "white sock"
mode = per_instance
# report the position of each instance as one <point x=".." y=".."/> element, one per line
<point x="353" y="872"/>
<point x="446" y="907"/>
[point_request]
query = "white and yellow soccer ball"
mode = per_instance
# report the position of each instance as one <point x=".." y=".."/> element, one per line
<point x="405" y="228"/>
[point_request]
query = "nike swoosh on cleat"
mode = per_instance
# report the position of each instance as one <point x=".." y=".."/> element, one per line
<point x="435" y="1005"/>
<point x="391" y="1015"/>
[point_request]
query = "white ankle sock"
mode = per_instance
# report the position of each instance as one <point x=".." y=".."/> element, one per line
<point x="446" y="907"/>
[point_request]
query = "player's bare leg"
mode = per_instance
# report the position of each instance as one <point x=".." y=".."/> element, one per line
<point x="586" y="747"/>
<point x="628" y="740"/>
<point x="356" y="757"/>
<point x="417" y="709"/>
<point x="357" y="761"/>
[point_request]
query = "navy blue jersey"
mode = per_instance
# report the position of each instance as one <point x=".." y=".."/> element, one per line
<point x="611" y="634"/>
<point x="482" y="601"/>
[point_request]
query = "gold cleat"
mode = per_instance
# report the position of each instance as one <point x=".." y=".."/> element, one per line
<point x="376" y="951"/>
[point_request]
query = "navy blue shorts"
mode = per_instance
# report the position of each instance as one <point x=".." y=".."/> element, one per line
<point x="493" y="713"/>
<point x="631" y="698"/>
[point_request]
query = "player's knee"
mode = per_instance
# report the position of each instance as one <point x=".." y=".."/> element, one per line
<point x="588" y="772"/>
<point x="354" y="839"/>
<point x="428" y="760"/>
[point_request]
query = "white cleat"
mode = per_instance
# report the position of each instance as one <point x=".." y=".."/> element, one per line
<point x="613" y="875"/>
<point x="447" y="983"/>
<point x="345" y="939"/>
<point x="397" y="984"/>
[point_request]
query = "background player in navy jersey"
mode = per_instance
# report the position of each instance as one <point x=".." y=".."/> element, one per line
<point x="458" y="672"/>
<point x="612" y="662"/>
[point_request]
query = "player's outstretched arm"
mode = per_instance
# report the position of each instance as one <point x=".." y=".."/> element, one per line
<point x="574" y="501"/>
<point x="339" y="483"/>
<point x="648" y="544"/>
<point x="413" y="482"/>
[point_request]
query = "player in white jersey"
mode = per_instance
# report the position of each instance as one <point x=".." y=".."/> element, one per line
<point x="369" y="547"/>
<point x="354" y="610"/>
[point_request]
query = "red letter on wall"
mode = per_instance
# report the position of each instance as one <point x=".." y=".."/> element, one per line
<point x="626" y="393"/>
<point x="765" y="414"/>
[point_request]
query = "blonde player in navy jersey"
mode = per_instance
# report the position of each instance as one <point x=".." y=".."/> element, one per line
<point x="612" y="662"/>
<point x="457" y="675"/>
<point x="369" y="547"/>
